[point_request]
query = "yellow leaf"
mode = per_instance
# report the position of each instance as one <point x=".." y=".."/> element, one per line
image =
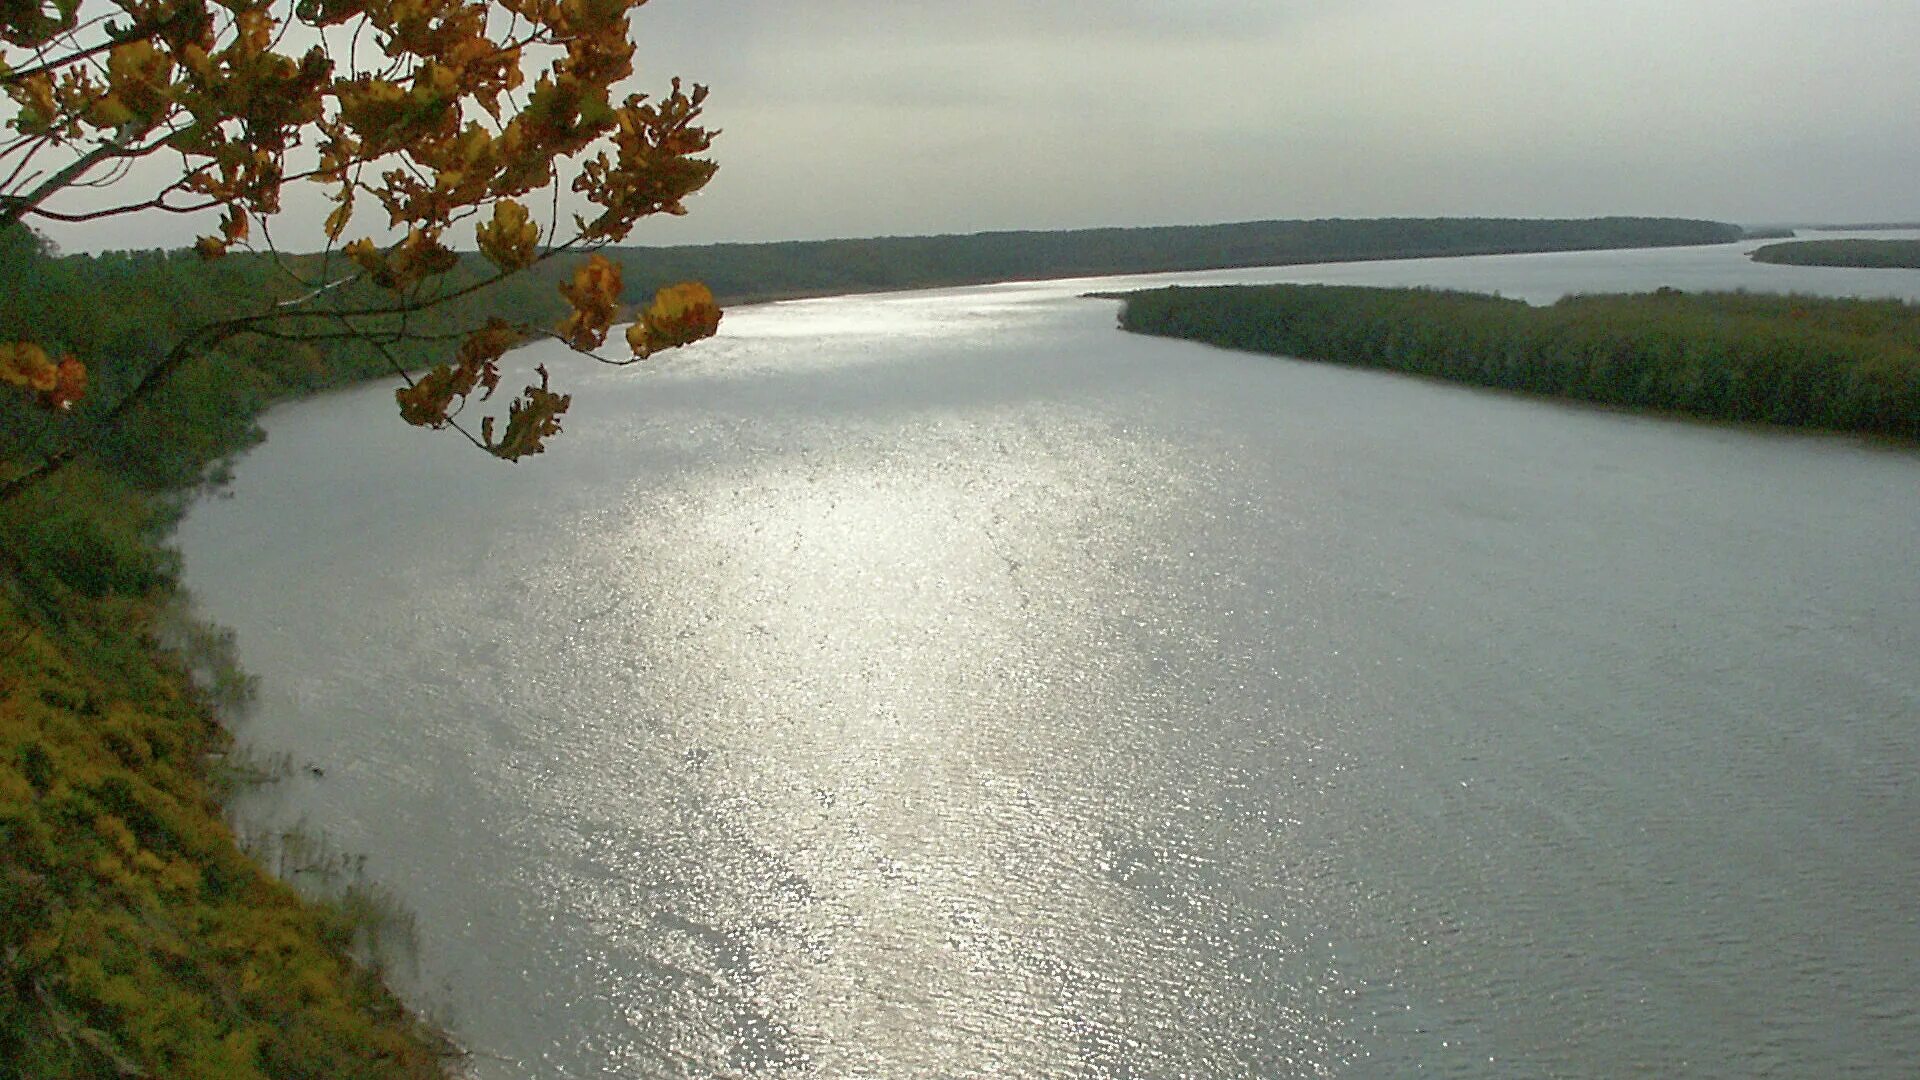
<point x="141" y="76"/>
<point x="530" y="421"/>
<point x="108" y="111"/>
<point x="337" y="220"/>
<point x="679" y="315"/>
<point x="363" y="253"/>
<point x="510" y="239"/>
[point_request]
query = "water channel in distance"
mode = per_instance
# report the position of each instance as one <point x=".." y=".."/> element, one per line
<point x="945" y="683"/>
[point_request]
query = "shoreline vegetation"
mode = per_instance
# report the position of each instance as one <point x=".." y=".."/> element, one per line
<point x="1865" y="226"/>
<point x="138" y="934"/>
<point x="1867" y="254"/>
<point x="1842" y="365"/>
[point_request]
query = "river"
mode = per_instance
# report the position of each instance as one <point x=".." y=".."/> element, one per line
<point x="947" y="684"/>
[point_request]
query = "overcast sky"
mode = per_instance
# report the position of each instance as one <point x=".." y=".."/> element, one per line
<point x="869" y="117"/>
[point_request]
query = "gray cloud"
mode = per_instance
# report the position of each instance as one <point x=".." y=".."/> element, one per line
<point x="854" y="118"/>
<point x="848" y="118"/>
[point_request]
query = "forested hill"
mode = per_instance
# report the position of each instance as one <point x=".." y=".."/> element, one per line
<point x="814" y="267"/>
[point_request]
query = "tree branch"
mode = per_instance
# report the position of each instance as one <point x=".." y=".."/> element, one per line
<point x="15" y="207"/>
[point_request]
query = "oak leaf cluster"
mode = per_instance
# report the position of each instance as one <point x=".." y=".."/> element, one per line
<point x="428" y="124"/>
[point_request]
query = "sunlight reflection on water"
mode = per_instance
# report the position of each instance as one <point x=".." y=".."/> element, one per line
<point x="941" y="684"/>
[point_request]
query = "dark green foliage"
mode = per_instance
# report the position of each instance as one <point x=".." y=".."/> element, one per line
<point x="1872" y="254"/>
<point x="1865" y="226"/>
<point x="94" y="541"/>
<point x="759" y="271"/>
<point x="1804" y="361"/>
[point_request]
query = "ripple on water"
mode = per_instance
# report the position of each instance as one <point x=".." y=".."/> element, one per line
<point x="941" y="684"/>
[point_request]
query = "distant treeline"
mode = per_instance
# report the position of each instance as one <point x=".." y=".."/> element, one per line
<point x="1841" y="364"/>
<point x="1876" y="254"/>
<point x="819" y="267"/>
<point x="1867" y="226"/>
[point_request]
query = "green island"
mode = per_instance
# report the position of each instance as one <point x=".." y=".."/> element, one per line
<point x="1869" y="254"/>
<point x="138" y="934"/>
<point x="1848" y="365"/>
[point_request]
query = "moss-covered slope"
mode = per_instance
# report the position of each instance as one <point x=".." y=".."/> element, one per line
<point x="135" y="936"/>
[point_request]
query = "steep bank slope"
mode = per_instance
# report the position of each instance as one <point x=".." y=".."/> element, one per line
<point x="135" y="936"/>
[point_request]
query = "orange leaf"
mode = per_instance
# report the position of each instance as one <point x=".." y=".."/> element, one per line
<point x="338" y="218"/>
<point x="70" y="384"/>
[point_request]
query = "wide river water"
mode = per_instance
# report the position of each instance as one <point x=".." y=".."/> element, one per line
<point x="947" y="684"/>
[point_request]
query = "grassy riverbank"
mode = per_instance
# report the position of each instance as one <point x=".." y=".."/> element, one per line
<point x="1871" y="254"/>
<point x="1849" y="365"/>
<point x="136" y="936"/>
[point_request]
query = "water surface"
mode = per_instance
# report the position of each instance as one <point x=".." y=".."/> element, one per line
<point x="944" y="683"/>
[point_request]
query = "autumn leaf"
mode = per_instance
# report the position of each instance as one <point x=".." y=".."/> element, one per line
<point x="38" y="109"/>
<point x="679" y="315"/>
<point x="26" y="365"/>
<point x="594" y="294"/>
<point x="429" y="401"/>
<point x="479" y="353"/>
<point x="425" y="403"/>
<point x="140" y="77"/>
<point x="26" y="22"/>
<point x="510" y="239"/>
<point x="70" y="385"/>
<point x="233" y="227"/>
<point x="419" y="256"/>
<point x="530" y="421"/>
<point x="244" y="99"/>
<point x="655" y="168"/>
<point x="337" y="219"/>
